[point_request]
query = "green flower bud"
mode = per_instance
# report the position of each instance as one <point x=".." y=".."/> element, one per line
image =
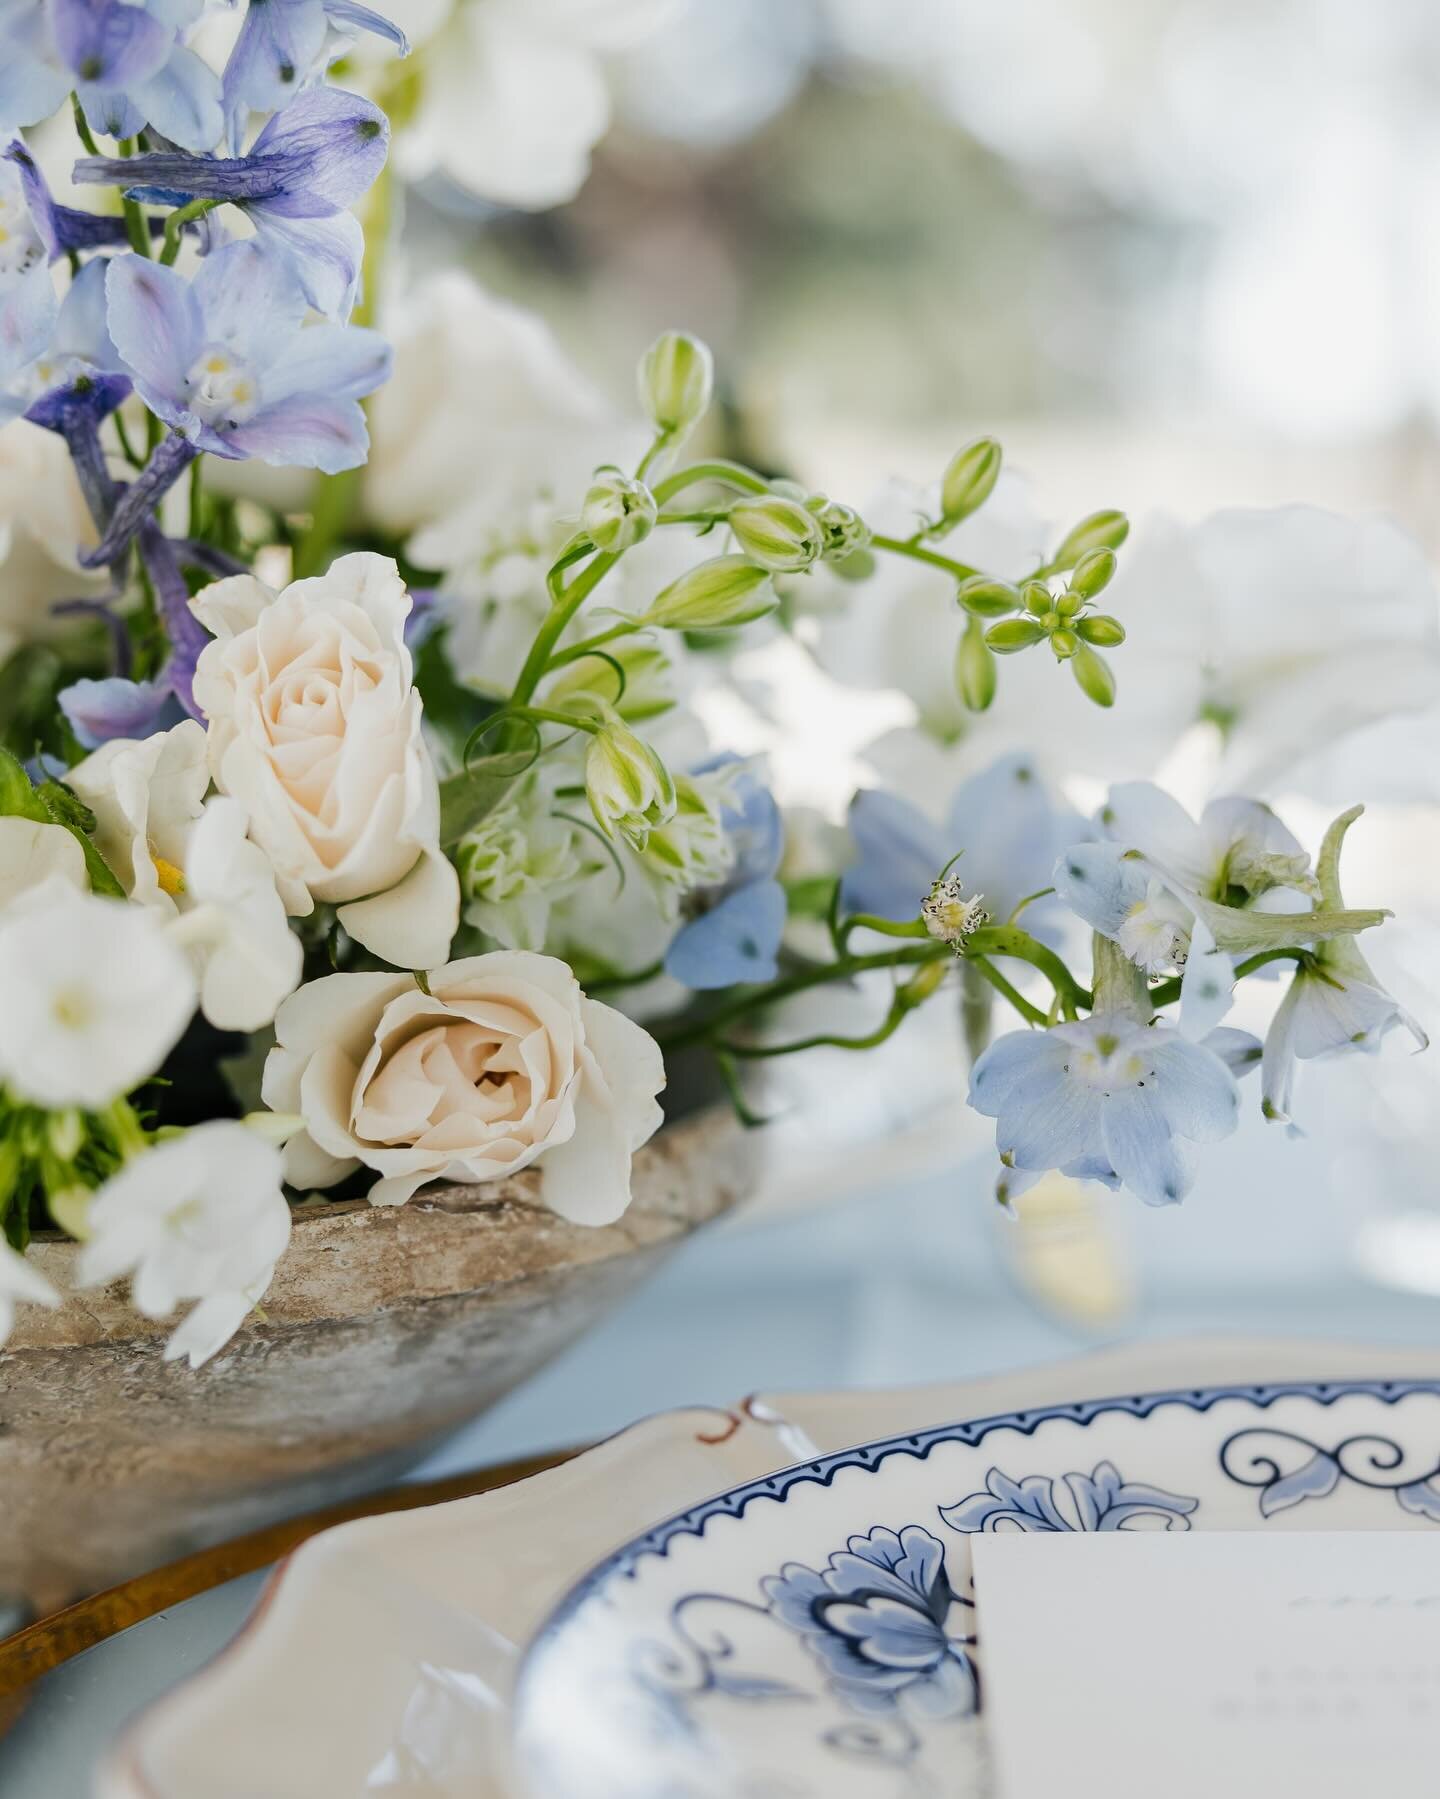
<point x="1038" y="598"/>
<point x="676" y="375"/>
<point x="628" y="786"/>
<point x="618" y="512"/>
<point x="714" y="596"/>
<point x="1092" y="572"/>
<point x="1102" y="629"/>
<point x="985" y="598"/>
<point x="779" y="534"/>
<point x="1069" y="603"/>
<point x="1064" y="643"/>
<point x="591" y="679"/>
<point x="1093" y="676"/>
<point x="845" y="532"/>
<point x="66" y="1133"/>
<point x="969" y="480"/>
<point x="975" y="671"/>
<point x="1101" y="531"/>
<point x="1013" y="634"/>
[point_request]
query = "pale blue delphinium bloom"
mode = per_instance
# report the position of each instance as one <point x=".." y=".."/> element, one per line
<point x="123" y="58"/>
<point x="228" y="362"/>
<point x="281" y="45"/>
<point x="734" y="933"/>
<point x="1005" y="821"/>
<point x="1334" y="1006"/>
<point x="1106" y="1091"/>
<point x="307" y="166"/>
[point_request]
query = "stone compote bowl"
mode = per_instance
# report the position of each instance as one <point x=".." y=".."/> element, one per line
<point x="384" y="1331"/>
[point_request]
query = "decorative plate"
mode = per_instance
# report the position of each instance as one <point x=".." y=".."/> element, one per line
<point x="814" y="1632"/>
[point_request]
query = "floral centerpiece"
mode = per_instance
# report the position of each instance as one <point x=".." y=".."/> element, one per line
<point x="348" y="837"/>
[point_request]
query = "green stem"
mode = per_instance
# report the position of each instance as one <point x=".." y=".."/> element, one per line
<point x="335" y="497"/>
<point x="661" y="442"/>
<point x="572" y="721"/>
<point x="137" y="227"/>
<point x="801" y="982"/>
<point x="989" y="972"/>
<point x="1169" y="991"/>
<point x="733" y="473"/>
<point x="589" y="645"/>
<point x="888" y="1026"/>
<point x="885" y="927"/>
<point x="82" y="127"/>
<point x="897" y="546"/>
<point x="127" y="449"/>
<point x="1010" y="940"/>
<point x="176" y="223"/>
<point x="197" y="500"/>
<point x="567" y="604"/>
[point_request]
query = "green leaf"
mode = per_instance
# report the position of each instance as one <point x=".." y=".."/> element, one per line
<point x="54" y="804"/>
<point x="475" y="792"/>
<point x="29" y="682"/>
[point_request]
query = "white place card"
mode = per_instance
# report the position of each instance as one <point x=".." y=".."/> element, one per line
<point x="1228" y="1664"/>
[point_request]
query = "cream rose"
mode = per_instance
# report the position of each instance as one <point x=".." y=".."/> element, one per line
<point x="314" y="727"/>
<point x="502" y="1063"/>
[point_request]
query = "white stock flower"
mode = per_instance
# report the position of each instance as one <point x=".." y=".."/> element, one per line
<point x="199" y="1217"/>
<point x="315" y="728"/>
<point x="483" y="402"/>
<point x="1290" y="626"/>
<point x="190" y="864"/>
<point x="44" y="525"/>
<point x="234" y="924"/>
<point x="32" y="853"/>
<point x="504" y="1062"/>
<point x="517" y="862"/>
<point x="146" y="795"/>
<point x="95" y="997"/>
<point x="512" y="95"/>
<point x="20" y="1282"/>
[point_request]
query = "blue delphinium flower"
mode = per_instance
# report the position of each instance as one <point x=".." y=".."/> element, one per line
<point x="281" y="44"/>
<point x="124" y="59"/>
<point x="735" y="929"/>
<point x="1334" y="1006"/>
<point x="228" y="362"/>
<point x="308" y="165"/>
<point x="1003" y="818"/>
<point x="59" y="369"/>
<point x="98" y="711"/>
<point x="1106" y="1090"/>
<point x="881" y="1621"/>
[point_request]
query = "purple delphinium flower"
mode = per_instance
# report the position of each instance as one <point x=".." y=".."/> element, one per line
<point x="735" y="932"/>
<point x="33" y="223"/>
<point x="281" y="44"/>
<point x="228" y="362"/>
<point x="308" y="165"/>
<point x="123" y="58"/>
<point x="98" y="711"/>
<point x="59" y="369"/>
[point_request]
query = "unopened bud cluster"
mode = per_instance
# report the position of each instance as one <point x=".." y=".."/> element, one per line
<point x="1032" y="612"/>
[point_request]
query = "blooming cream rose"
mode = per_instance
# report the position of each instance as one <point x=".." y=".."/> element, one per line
<point x="314" y="727"/>
<point x="502" y="1063"/>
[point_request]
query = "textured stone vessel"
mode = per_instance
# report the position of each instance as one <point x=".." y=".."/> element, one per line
<point x="385" y="1330"/>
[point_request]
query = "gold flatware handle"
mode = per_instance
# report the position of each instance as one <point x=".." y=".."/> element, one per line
<point x="44" y="1645"/>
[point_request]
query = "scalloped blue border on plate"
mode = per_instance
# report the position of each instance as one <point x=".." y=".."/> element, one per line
<point x="624" y="1562"/>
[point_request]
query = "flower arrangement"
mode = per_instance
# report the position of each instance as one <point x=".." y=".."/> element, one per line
<point x="370" y="798"/>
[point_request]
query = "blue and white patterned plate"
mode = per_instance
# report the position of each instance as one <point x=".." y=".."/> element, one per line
<point x="814" y="1633"/>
